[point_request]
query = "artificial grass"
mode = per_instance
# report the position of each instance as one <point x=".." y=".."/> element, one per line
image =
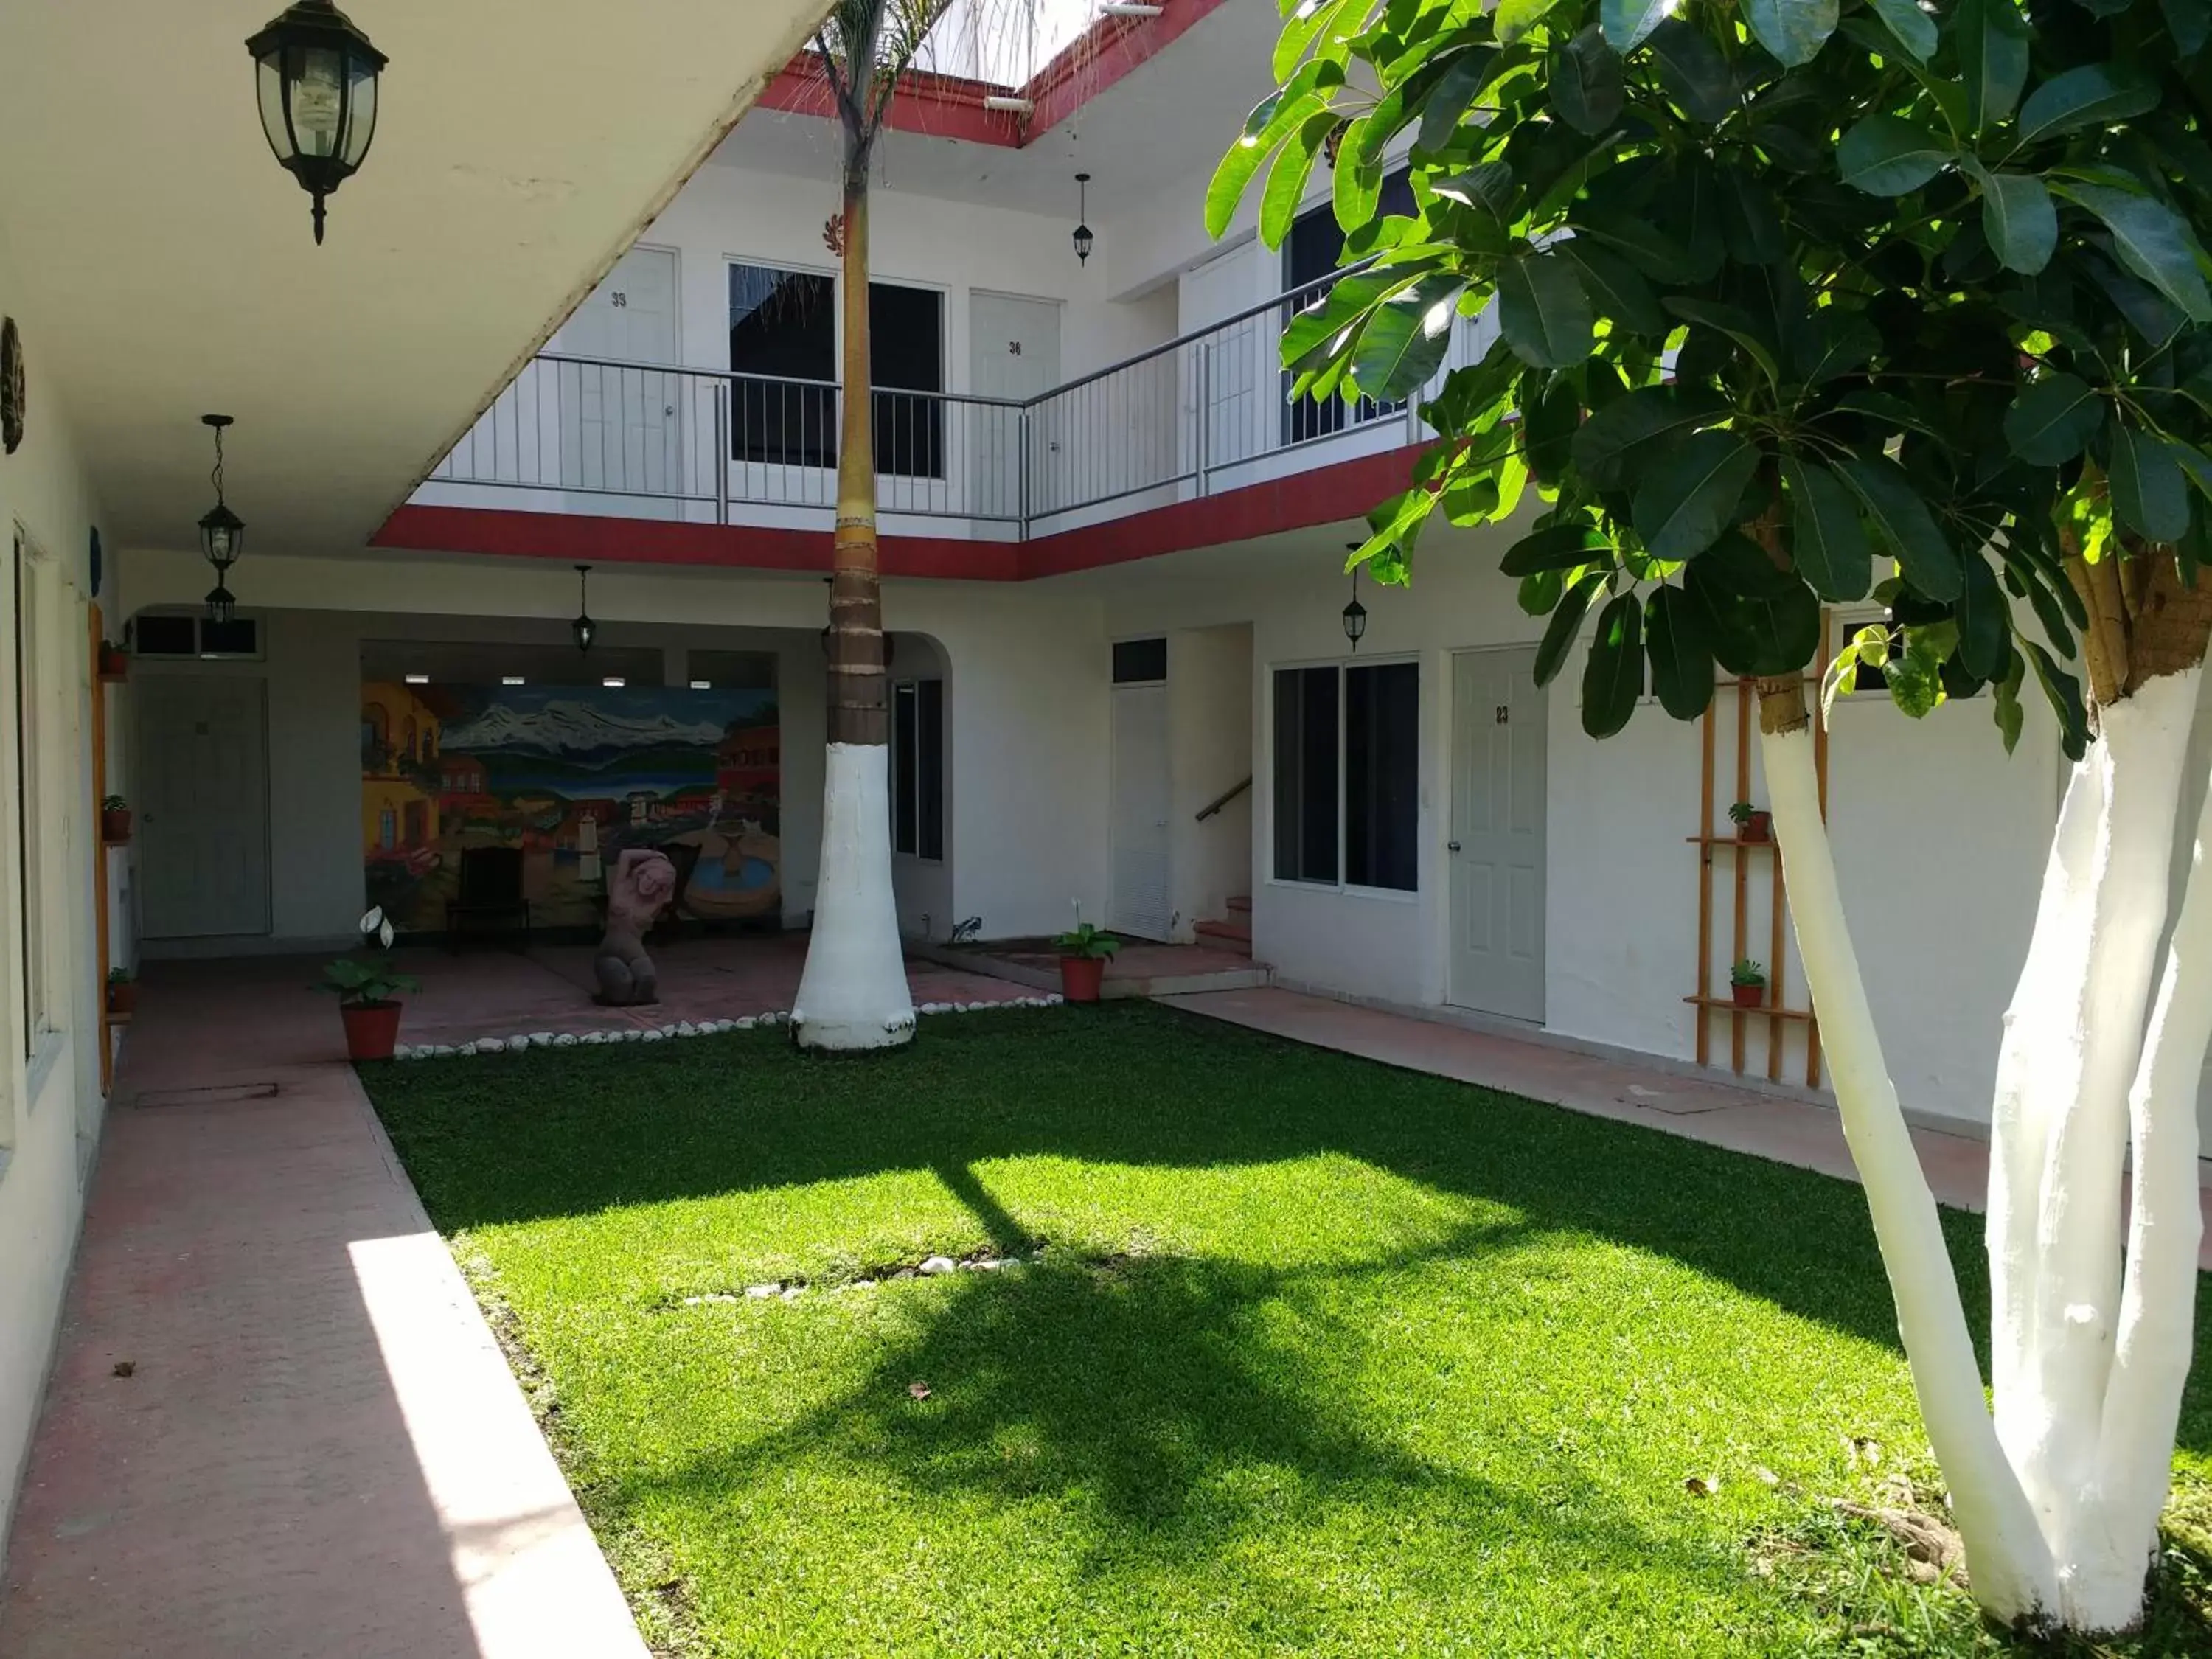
<point x="1317" y="1357"/>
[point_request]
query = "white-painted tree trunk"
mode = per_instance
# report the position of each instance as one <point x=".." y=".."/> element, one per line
<point x="2006" y="1555"/>
<point x="852" y="994"/>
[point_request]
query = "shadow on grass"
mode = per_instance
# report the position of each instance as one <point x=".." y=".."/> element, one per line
<point x="572" y="1132"/>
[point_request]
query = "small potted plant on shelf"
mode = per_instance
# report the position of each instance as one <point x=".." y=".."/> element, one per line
<point x="1752" y="823"/>
<point x="115" y="820"/>
<point x="1748" y="984"/>
<point x="1084" y="952"/>
<point x="368" y="989"/>
<point x="122" y="991"/>
<point x="114" y="661"/>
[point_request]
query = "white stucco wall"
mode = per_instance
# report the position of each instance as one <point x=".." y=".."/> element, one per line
<point x="1209" y="751"/>
<point x="50" y="1108"/>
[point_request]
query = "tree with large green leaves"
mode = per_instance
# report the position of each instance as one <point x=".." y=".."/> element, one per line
<point x="1804" y="301"/>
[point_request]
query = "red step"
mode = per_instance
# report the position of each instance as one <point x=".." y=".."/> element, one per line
<point x="1234" y="933"/>
<point x="1241" y="905"/>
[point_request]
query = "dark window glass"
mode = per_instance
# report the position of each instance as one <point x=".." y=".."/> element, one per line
<point x="1305" y="774"/>
<point x="1314" y="248"/>
<point x="1382" y="775"/>
<point x="239" y="637"/>
<point x="167" y="636"/>
<point x="1137" y="662"/>
<point x="906" y="354"/>
<point x="905" y="731"/>
<point x="783" y="326"/>
<point x="929" y="832"/>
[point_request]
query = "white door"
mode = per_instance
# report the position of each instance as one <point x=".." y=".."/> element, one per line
<point x="1230" y="369"/>
<point x="1139" y="784"/>
<point x="1497" y="848"/>
<point x="1013" y="352"/>
<point x="623" y="428"/>
<point x="202" y="807"/>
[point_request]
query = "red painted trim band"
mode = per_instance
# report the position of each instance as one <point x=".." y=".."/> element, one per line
<point x="1321" y="496"/>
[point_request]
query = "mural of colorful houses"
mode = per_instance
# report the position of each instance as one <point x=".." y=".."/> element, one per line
<point x="570" y="775"/>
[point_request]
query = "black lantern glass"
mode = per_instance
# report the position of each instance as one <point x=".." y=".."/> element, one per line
<point x="585" y="630"/>
<point x="317" y="77"/>
<point x="223" y="532"/>
<point x="1355" y="614"/>
<point x="1083" y="236"/>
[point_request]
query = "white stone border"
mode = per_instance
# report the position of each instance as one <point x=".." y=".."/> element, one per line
<point x="519" y="1040"/>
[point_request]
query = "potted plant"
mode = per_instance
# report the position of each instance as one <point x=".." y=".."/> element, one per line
<point x="1748" y="984"/>
<point x="114" y="661"/>
<point x="1752" y="823"/>
<point x="1084" y="952"/>
<point x="114" y="820"/>
<point x="122" y="991"/>
<point x="367" y="989"/>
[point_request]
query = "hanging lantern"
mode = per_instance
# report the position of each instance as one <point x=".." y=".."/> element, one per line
<point x="1355" y="614"/>
<point x="585" y="630"/>
<point x="317" y="76"/>
<point x="223" y="532"/>
<point x="1083" y="236"/>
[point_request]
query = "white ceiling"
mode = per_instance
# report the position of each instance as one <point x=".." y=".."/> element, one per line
<point x="1168" y="116"/>
<point x="160" y="265"/>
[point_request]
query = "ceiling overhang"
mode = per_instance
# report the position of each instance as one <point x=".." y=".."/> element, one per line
<point x="160" y="265"/>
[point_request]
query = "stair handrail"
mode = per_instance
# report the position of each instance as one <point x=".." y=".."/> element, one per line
<point x="1224" y="799"/>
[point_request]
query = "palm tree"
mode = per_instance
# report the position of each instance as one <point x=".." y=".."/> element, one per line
<point x="853" y="992"/>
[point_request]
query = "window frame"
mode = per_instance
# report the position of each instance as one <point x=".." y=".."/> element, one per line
<point x="39" y="738"/>
<point x="917" y="809"/>
<point x="1343" y="667"/>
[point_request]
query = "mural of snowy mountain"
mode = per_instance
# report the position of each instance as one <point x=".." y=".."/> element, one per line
<point x="555" y="722"/>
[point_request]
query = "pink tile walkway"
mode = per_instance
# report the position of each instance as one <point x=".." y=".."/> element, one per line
<point x="1710" y="1109"/>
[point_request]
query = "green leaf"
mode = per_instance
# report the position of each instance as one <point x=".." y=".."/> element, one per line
<point x="1626" y="22"/>
<point x="2095" y="95"/>
<point x="2064" y="692"/>
<point x="1514" y="18"/>
<point x="1488" y="185"/>
<point x="1681" y="661"/>
<point x="1616" y="289"/>
<point x="1984" y="620"/>
<point x="1287" y="176"/>
<point x="1613" y="678"/>
<point x="1887" y="155"/>
<point x="1543" y="311"/>
<point x="1453" y="93"/>
<point x="1755" y="623"/>
<point x="1308" y="24"/>
<point x="1566" y="620"/>
<point x="2152" y="240"/>
<point x="1695" y="74"/>
<point x="1273" y="120"/>
<point x="1887" y="497"/>
<point x="2190" y="23"/>
<point x="1356" y="188"/>
<point x="1681" y="509"/>
<point x="1732" y="321"/>
<point x="2050" y="421"/>
<point x="2020" y="221"/>
<point x="1912" y="27"/>
<point x="1586" y="82"/>
<point x="1794" y="31"/>
<point x="1827" y="543"/>
<point x="1406" y="338"/>
<point x="2150" y="496"/>
<point x="1555" y="547"/>
<point x="2008" y="712"/>
<point x="1613" y="440"/>
<point x="1992" y="44"/>
<point x="1832" y="342"/>
<point x="2194" y="462"/>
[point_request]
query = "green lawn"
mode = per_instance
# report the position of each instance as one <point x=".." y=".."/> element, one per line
<point x="1317" y="1357"/>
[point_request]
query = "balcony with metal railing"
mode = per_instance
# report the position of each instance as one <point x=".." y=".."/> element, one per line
<point x="1195" y="415"/>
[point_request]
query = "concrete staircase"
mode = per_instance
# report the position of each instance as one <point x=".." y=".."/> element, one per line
<point x="1232" y="933"/>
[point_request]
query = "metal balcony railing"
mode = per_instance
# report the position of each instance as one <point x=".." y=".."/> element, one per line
<point x="1207" y="410"/>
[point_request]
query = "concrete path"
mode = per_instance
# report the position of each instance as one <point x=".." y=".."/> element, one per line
<point x="1706" y="1108"/>
<point x="278" y="1426"/>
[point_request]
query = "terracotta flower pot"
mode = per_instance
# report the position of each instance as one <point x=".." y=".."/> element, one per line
<point x="114" y="823"/>
<point x="1759" y="826"/>
<point x="1749" y="996"/>
<point x="1081" y="976"/>
<point x="123" y="997"/>
<point x="371" y="1028"/>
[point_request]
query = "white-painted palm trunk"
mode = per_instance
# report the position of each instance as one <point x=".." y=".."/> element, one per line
<point x="854" y="995"/>
<point x="2057" y="1495"/>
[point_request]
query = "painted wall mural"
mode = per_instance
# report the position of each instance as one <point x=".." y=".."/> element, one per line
<point x="571" y="775"/>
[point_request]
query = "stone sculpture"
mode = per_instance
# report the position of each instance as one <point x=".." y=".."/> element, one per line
<point x="641" y="883"/>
